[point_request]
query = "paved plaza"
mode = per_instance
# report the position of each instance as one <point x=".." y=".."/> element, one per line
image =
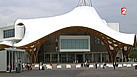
<point x="73" y="72"/>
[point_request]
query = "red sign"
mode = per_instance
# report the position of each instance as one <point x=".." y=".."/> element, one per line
<point x="123" y="11"/>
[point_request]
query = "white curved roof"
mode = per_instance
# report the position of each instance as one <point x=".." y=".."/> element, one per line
<point x="85" y="16"/>
<point x="10" y="43"/>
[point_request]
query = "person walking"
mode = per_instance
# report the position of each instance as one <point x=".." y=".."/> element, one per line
<point x="96" y="65"/>
<point x="114" y="65"/>
<point x="104" y="65"/>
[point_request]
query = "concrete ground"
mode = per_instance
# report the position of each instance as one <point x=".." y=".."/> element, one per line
<point x="73" y="72"/>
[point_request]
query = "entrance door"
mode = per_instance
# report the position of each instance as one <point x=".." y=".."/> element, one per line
<point x="79" y="57"/>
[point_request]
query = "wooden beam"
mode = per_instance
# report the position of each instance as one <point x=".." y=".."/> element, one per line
<point x="117" y="45"/>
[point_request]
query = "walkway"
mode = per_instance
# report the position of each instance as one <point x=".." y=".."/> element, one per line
<point x="73" y="72"/>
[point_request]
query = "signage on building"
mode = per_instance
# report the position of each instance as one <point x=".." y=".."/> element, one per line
<point x="123" y="10"/>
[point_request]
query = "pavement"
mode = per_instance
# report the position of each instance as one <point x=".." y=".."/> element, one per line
<point x="73" y="72"/>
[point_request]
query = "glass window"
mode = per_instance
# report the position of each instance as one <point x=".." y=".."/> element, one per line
<point x="74" y="44"/>
<point x="47" y="57"/>
<point x="9" y="33"/>
<point x="105" y="57"/>
<point x="88" y="57"/>
<point x="71" y="58"/>
<point x="54" y="58"/>
<point x="62" y="58"/>
<point x="96" y="57"/>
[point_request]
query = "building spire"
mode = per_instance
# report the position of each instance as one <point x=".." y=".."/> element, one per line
<point x="84" y="3"/>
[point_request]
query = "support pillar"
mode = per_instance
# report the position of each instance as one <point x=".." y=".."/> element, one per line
<point x="100" y="57"/>
<point x="50" y="57"/>
<point x="75" y="58"/>
<point x="44" y="58"/>
<point x="84" y="57"/>
<point x="12" y="63"/>
<point x="67" y="57"/>
<point x="9" y="61"/>
<point x="58" y="57"/>
<point x="92" y="57"/>
<point x="122" y="56"/>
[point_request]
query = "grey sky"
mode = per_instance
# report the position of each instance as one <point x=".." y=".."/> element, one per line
<point x="110" y="10"/>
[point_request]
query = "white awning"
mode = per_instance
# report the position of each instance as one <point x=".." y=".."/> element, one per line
<point x="84" y="16"/>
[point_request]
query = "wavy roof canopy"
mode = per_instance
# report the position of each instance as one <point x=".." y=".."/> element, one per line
<point x="84" y="16"/>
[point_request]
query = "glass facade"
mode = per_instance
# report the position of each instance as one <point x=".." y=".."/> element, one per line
<point x="47" y="57"/>
<point x="73" y="49"/>
<point x="63" y="58"/>
<point x="88" y="57"/>
<point x="13" y="58"/>
<point x="74" y="44"/>
<point x="9" y="33"/>
<point x="73" y="57"/>
<point x="54" y="58"/>
<point x="97" y="57"/>
<point x="105" y="57"/>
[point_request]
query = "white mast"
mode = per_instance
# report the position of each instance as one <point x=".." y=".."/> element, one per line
<point x="84" y="3"/>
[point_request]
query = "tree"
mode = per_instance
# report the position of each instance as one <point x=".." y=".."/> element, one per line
<point x="133" y="53"/>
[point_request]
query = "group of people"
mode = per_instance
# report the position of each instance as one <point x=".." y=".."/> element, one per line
<point x="41" y="66"/>
<point x="26" y="66"/>
<point x="104" y="65"/>
<point x="86" y="64"/>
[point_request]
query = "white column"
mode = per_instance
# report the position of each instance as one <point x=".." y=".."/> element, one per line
<point x="75" y="58"/>
<point x="92" y="57"/>
<point x="84" y="57"/>
<point x="58" y="57"/>
<point x="50" y="57"/>
<point x="122" y="55"/>
<point x="15" y="57"/>
<point x="23" y="56"/>
<point x="44" y="57"/>
<point x="101" y="57"/>
<point x="9" y="60"/>
<point x="12" y="61"/>
<point x="67" y="57"/>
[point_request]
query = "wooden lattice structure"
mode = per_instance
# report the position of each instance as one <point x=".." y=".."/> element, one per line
<point x="112" y="45"/>
<point x="2" y="46"/>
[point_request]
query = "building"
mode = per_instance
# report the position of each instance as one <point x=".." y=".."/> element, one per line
<point x="78" y="36"/>
<point x="10" y="57"/>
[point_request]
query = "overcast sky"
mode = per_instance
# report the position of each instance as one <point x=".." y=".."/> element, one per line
<point x="110" y="10"/>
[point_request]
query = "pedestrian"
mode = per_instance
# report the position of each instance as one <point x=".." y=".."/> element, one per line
<point x="51" y="64"/>
<point x="85" y="64"/>
<point x="96" y="65"/>
<point x="23" y="66"/>
<point x="104" y="65"/>
<point x="114" y="65"/>
<point x="43" y="66"/>
<point x="40" y="66"/>
<point x="27" y="66"/>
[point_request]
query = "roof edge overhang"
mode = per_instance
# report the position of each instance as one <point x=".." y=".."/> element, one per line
<point x="135" y="41"/>
<point x="80" y="28"/>
<point x="86" y="16"/>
